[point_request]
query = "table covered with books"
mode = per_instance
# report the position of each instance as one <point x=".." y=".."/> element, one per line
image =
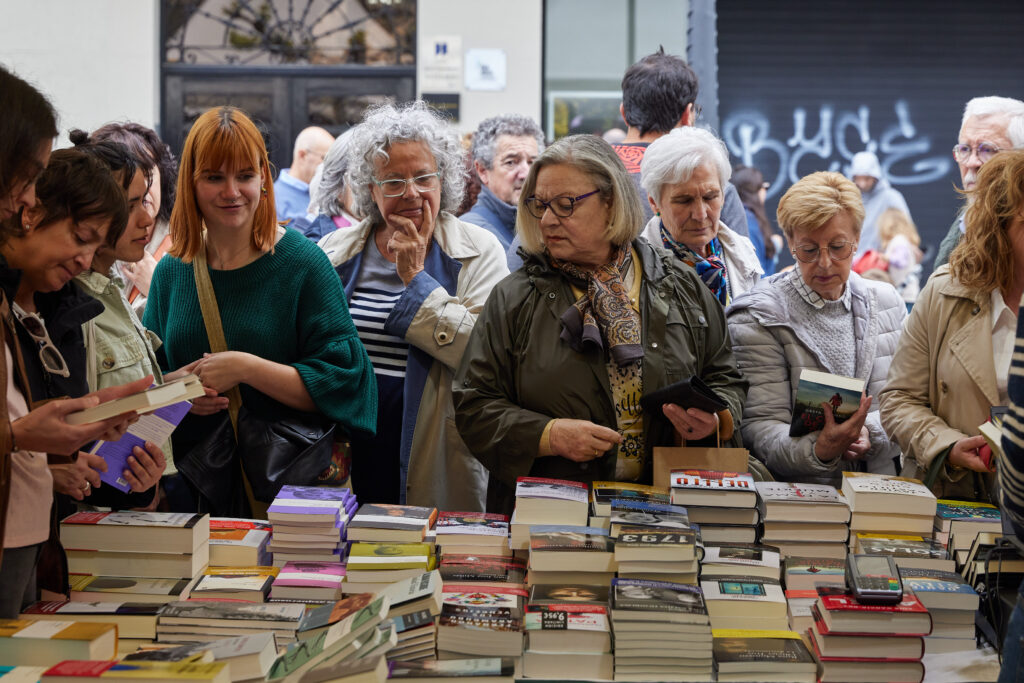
<point x="713" y="577"/>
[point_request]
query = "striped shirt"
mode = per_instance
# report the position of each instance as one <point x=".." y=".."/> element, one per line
<point x="377" y="289"/>
<point x="1011" y="469"/>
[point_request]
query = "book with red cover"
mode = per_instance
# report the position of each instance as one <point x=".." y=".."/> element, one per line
<point x="871" y="642"/>
<point x="834" y="669"/>
<point x="842" y="614"/>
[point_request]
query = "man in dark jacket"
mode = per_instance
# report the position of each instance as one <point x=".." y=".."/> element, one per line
<point x="503" y="149"/>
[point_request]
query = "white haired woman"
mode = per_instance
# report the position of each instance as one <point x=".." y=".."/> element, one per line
<point x="820" y="316"/>
<point x="684" y="174"/>
<point x="415" y="278"/>
<point x="596" y="318"/>
<point x="330" y="199"/>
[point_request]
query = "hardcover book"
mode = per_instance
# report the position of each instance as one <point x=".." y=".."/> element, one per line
<point x="841" y="394"/>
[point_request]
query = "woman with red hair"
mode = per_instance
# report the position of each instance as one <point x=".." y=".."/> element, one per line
<point x="293" y="348"/>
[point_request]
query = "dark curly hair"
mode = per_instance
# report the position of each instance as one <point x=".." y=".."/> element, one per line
<point x="153" y="152"/>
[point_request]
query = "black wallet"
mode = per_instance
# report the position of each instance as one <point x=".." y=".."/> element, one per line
<point x="689" y="393"/>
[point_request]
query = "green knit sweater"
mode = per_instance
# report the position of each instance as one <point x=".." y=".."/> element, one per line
<point x="287" y="306"/>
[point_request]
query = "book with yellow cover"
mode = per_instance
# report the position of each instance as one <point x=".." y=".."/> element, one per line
<point x="137" y="672"/>
<point x="39" y="643"/>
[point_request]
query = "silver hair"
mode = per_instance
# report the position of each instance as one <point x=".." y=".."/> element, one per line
<point x="487" y="133"/>
<point x="999" y="106"/>
<point x="596" y="159"/>
<point x="387" y="124"/>
<point x="329" y="180"/>
<point x="674" y="157"/>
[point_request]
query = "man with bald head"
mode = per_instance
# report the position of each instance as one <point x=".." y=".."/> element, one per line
<point x="291" y="189"/>
<point x="990" y="125"/>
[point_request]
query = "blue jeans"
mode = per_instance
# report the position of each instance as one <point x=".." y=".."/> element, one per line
<point x="1013" y="665"/>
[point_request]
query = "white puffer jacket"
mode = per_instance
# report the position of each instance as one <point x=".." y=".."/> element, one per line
<point x="772" y="347"/>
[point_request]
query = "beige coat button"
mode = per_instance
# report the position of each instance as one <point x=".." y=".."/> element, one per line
<point x="108" y="363"/>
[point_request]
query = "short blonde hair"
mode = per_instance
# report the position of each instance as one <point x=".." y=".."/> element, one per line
<point x="984" y="260"/>
<point x="223" y="135"/>
<point x="816" y="199"/>
<point x="594" y="157"/>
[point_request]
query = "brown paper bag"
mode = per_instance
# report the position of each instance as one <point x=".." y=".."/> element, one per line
<point x="668" y="458"/>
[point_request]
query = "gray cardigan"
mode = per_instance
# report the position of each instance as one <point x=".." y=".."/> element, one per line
<point x="772" y="347"/>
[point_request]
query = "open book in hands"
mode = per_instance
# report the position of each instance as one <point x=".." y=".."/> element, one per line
<point x="183" y="389"/>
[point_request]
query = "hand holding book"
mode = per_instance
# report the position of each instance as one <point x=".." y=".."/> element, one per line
<point x="836" y="438"/>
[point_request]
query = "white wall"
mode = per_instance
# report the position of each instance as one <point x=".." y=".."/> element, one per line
<point x="515" y="26"/>
<point x="96" y="60"/>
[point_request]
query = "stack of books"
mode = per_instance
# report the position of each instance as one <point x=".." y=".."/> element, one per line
<point x="741" y="600"/>
<point x="415" y="604"/>
<point x="308" y="582"/>
<point x="309" y="524"/>
<point x="247" y="584"/>
<point x="908" y="551"/>
<point x="472" y="533"/>
<point x="884" y="504"/>
<point x="958" y="523"/>
<point x="485" y="571"/>
<point x="239" y="542"/>
<point x="480" y="623"/>
<point x="203" y="622"/>
<point x="745" y="655"/>
<point x="546" y="501"/>
<point x="951" y="602"/>
<point x="800" y="577"/>
<point x="807" y="520"/>
<point x="570" y="554"/>
<point x="159" y="545"/>
<point x="723" y="504"/>
<point x="351" y="649"/>
<point x="567" y="633"/>
<point x="657" y="554"/>
<point x="661" y="631"/>
<point x="1003" y="567"/>
<point x="855" y="642"/>
<point x="602" y="493"/>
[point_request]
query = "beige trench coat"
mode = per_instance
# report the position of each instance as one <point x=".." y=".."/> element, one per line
<point x="942" y="382"/>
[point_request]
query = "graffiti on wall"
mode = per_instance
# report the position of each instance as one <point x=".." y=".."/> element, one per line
<point x="907" y="157"/>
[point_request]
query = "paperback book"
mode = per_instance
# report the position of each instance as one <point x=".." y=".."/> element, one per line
<point x="155" y="427"/>
<point x="841" y="394"/>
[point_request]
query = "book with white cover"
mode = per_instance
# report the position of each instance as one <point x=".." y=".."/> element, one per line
<point x="183" y="389"/>
<point x="795" y="502"/>
<point x="879" y="493"/>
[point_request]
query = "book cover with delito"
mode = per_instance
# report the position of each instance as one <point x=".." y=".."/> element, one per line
<point x="814" y="388"/>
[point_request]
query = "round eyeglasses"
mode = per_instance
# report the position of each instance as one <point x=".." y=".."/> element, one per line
<point x="395" y="187"/>
<point x="986" y="150"/>
<point x="560" y="206"/>
<point x="837" y="251"/>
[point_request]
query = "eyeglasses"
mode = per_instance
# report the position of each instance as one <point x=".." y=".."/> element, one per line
<point x="560" y="206"/>
<point x="395" y="187"/>
<point x="52" y="361"/>
<point x="837" y="251"/>
<point x="985" y="150"/>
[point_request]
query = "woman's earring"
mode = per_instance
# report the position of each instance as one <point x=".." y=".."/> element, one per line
<point x="264" y="189"/>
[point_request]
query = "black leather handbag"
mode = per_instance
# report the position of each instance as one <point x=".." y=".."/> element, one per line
<point x="271" y="452"/>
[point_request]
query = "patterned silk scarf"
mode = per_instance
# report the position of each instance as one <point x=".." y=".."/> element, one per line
<point x="603" y="314"/>
<point x="711" y="269"/>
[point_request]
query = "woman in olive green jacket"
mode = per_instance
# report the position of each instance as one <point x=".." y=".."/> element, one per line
<point x="565" y="347"/>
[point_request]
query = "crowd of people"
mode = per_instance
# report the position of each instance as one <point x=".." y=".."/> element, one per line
<point x="371" y="325"/>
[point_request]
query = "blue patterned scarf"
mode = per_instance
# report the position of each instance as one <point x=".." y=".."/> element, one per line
<point x="711" y="269"/>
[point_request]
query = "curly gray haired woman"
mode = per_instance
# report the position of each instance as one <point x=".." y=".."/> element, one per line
<point x="416" y="277"/>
